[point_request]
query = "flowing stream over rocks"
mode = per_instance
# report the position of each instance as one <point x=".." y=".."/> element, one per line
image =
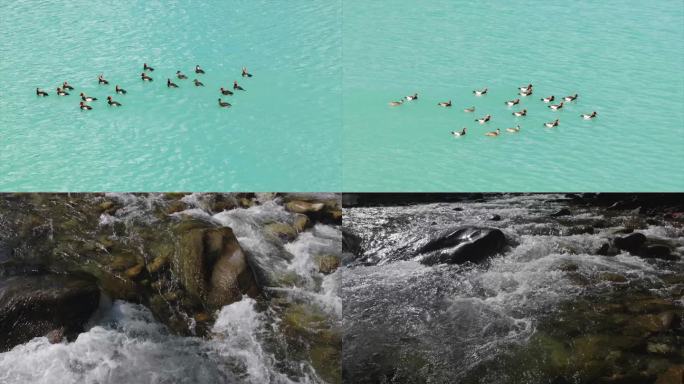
<point x="558" y="302"/>
<point x="193" y="288"/>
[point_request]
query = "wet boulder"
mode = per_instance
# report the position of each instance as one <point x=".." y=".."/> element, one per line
<point x="351" y="243"/>
<point x="631" y="243"/>
<point x="211" y="265"/>
<point x="657" y="251"/>
<point x="561" y="212"/>
<point x="461" y="244"/>
<point x="44" y="305"/>
<point x="327" y="264"/>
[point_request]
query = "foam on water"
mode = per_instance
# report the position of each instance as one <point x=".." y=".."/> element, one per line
<point x="124" y="343"/>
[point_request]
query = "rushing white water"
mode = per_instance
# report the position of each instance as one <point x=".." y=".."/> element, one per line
<point x="400" y="314"/>
<point x="123" y="342"/>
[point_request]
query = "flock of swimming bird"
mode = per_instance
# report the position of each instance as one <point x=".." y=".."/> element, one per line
<point x="523" y="91"/>
<point x="85" y="99"/>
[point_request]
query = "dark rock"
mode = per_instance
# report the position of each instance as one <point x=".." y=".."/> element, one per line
<point x="600" y="224"/>
<point x="33" y="306"/>
<point x="561" y="212"/>
<point x="580" y="230"/>
<point x="494" y="217"/>
<point x="657" y="251"/>
<point x="606" y="250"/>
<point x="631" y="243"/>
<point x="462" y="244"/>
<point x="351" y="243"/>
<point x="457" y="209"/>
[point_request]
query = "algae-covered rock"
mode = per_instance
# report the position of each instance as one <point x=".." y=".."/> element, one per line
<point x="327" y="263"/>
<point x="297" y="206"/>
<point x="311" y="333"/>
<point x="301" y="222"/>
<point x="211" y="265"/>
<point x="283" y="231"/>
<point x="652" y="322"/>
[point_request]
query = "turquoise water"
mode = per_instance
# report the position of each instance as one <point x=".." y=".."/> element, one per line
<point x="624" y="58"/>
<point x="282" y="134"/>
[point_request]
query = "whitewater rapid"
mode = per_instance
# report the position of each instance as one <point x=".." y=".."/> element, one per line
<point x="124" y="343"/>
<point x="401" y="315"/>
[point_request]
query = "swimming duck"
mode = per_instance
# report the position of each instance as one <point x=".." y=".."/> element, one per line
<point x="226" y="92"/>
<point x="556" y="107"/>
<point x="41" y="93"/>
<point x="552" y="124"/>
<point x="480" y="92"/>
<point x="527" y="92"/>
<point x="60" y="92"/>
<point x="101" y="79"/>
<point x="199" y="70"/>
<point x="144" y="77"/>
<point x="396" y="103"/>
<point x="147" y="68"/>
<point x="456" y="133"/>
<point x="445" y="104"/>
<point x="170" y="84"/>
<point x="590" y="116"/>
<point x="511" y="103"/>
<point x="469" y="110"/>
<point x="515" y="129"/>
<point x="526" y="88"/>
<point x="245" y="73"/>
<point x="412" y="97"/>
<point x="119" y="90"/>
<point x="484" y="119"/>
<point x="198" y="83"/>
<point x="237" y="87"/>
<point x="571" y="98"/>
<point x="113" y="103"/>
<point x="223" y="104"/>
<point x="85" y="107"/>
<point x="67" y="86"/>
<point x="548" y="99"/>
<point x="87" y="98"/>
<point x="181" y="76"/>
<point x="494" y="133"/>
<point x="520" y="113"/>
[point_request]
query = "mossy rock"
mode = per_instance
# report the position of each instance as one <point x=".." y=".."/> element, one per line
<point x="327" y="263"/>
<point x="297" y="206"/>
<point x="326" y="360"/>
<point x="283" y="231"/>
<point x="301" y="222"/>
<point x="134" y="271"/>
<point x="650" y="323"/>
<point x="158" y="263"/>
<point x="649" y="305"/>
<point x="175" y="206"/>
<point x="612" y="277"/>
<point x="123" y="261"/>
